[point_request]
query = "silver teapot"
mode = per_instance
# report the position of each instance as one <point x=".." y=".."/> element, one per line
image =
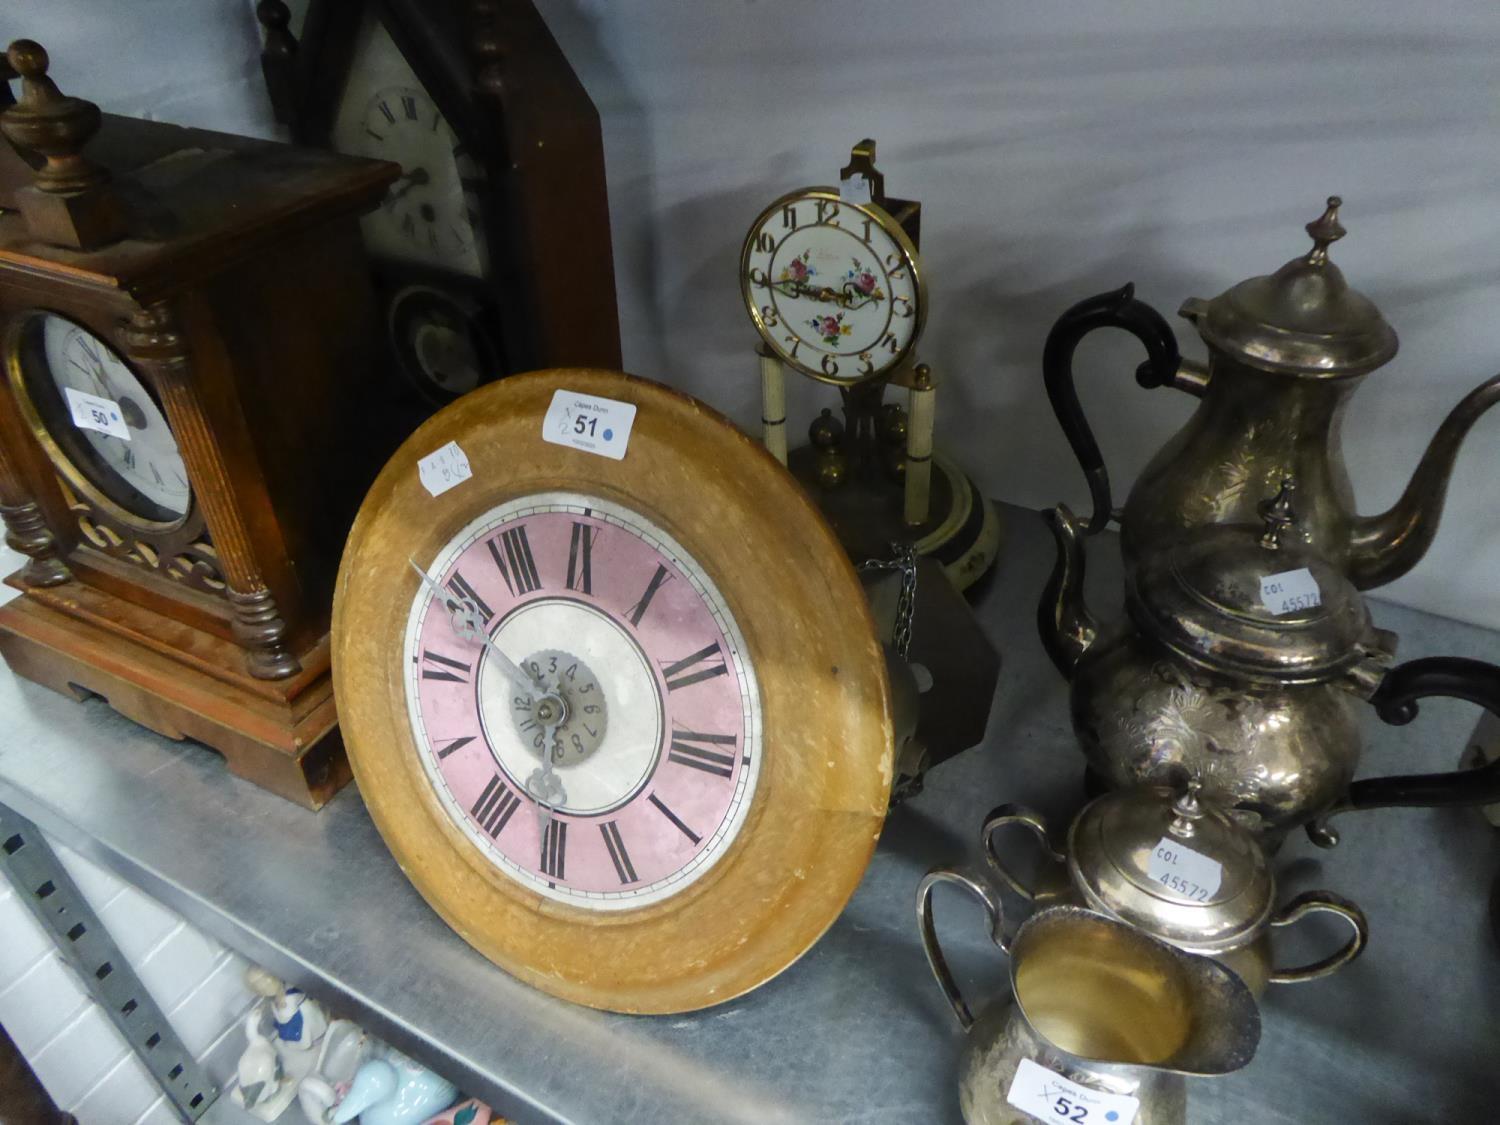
<point x="1240" y="662"/>
<point x="1102" y="1022"/>
<point x="1180" y="870"/>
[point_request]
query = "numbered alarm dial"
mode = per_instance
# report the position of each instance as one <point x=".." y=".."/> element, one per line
<point x="429" y="216"/>
<point x="654" y="764"/>
<point x="100" y="424"/>
<point x="833" y="287"/>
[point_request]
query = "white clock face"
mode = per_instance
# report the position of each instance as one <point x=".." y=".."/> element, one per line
<point x="831" y="289"/>
<point x="429" y="216"/>
<point x="138" y="467"/>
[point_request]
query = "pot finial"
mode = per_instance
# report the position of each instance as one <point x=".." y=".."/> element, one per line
<point x="1324" y="231"/>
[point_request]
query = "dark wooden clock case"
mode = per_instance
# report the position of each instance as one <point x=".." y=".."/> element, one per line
<point x="241" y="297"/>
<point x="502" y="82"/>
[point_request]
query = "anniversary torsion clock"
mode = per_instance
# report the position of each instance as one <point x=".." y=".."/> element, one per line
<point x="612" y="693"/>
<point x="492" y="250"/>
<point x="833" y="283"/>
<point x="186" y="425"/>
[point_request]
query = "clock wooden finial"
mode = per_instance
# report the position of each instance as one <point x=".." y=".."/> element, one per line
<point x="278" y="58"/>
<point x="70" y="203"/>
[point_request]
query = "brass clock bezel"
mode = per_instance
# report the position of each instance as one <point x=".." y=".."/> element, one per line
<point x="911" y="258"/>
<point x="78" y="480"/>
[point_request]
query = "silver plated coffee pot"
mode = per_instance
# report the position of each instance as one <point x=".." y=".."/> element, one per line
<point x="1285" y="352"/>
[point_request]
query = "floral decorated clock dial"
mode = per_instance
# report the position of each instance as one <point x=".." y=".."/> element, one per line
<point x="833" y="287"/>
<point x="646" y="779"/>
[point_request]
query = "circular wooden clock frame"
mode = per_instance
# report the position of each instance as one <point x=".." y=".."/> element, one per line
<point x="911" y="261"/>
<point x="825" y="778"/>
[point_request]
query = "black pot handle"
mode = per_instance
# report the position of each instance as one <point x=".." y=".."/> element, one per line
<point x="1115" y="309"/>
<point x="1395" y="701"/>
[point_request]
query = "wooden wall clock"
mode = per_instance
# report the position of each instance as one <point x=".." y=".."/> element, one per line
<point x="492" y="251"/>
<point x="186" y="425"/>
<point x="623" y="722"/>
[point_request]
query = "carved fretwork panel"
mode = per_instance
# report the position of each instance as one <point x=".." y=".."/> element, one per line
<point x="185" y="554"/>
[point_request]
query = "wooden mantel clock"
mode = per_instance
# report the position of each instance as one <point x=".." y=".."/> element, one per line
<point x="492" y="251"/>
<point x="613" y="693"/>
<point x="185" y="429"/>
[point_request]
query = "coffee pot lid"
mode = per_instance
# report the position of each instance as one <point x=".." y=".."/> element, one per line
<point x="1253" y="601"/>
<point x="1172" y="865"/>
<point x="1303" y="319"/>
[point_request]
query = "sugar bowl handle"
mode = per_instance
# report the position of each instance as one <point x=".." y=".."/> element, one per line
<point x="1316" y="902"/>
<point x="1016" y="814"/>
<point x="1395" y="701"/>
<point x="1115" y="309"/>
<point x="991" y="902"/>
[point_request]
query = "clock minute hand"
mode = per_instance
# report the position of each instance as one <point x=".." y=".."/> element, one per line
<point x="467" y="623"/>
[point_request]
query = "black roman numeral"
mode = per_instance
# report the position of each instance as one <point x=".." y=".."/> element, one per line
<point x="682" y="674"/>
<point x="454" y="745"/>
<point x="409" y="106"/>
<point x="670" y="815"/>
<point x="512" y="554"/>
<point x="460" y="587"/>
<point x="555" y="848"/>
<point x="623" y="868"/>
<point x="495" y="806"/>
<point x="638" y="610"/>
<point x="581" y="558"/>
<point x="438" y="673"/>
<point x="390" y="118"/>
<point x="684" y="753"/>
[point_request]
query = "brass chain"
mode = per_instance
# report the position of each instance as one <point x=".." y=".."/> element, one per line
<point x="903" y="558"/>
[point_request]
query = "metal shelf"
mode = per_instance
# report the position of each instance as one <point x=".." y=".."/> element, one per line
<point x="856" y="1031"/>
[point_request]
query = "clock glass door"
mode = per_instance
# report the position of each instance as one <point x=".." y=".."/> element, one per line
<point x="99" y="424"/>
<point x="594" y="726"/>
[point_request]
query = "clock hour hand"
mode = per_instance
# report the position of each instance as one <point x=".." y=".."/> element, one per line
<point x="465" y="618"/>
<point x="415" y="178"/>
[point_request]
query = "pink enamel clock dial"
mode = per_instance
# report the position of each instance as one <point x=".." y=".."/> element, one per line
<point x="655" y="761"/>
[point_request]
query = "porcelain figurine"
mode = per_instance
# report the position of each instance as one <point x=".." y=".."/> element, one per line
<point x="263" y="1087"/>
<point x="345" y="1046"/>
<point x="469" y="1112"/>
<point x="391" y="1089"/>
<point x="300" y="1020"/>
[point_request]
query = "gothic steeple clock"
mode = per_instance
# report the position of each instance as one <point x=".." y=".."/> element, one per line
<point x="186" y="326"/>
<point x="492" y="250"/>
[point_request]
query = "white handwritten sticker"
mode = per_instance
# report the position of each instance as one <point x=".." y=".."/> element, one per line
<point x="587" y="422"/>
<point x="1290" y="591"/>
<point x="1188" y="873"/>
<point x="90" y="412"/>
<point x="856" y="189"/>
<point x="444" y="468"/>
<point x="1048" y="1096"/>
